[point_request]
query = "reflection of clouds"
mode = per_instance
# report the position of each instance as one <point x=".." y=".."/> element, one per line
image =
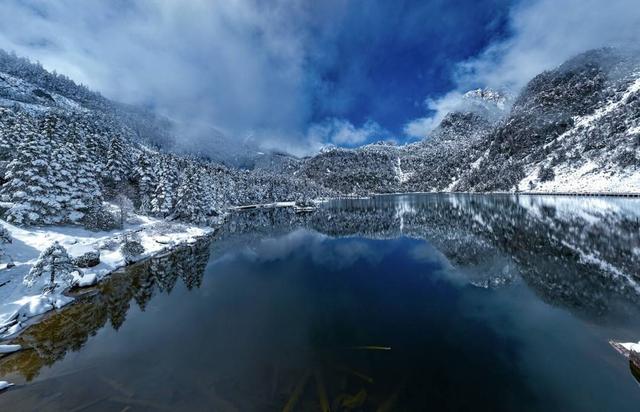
<point x="427" y="254"/>
<point x="580" y="253"/>
<point x="322" y="249"/>
<point x="276" y="248"/>
<point x="346" y="253"/>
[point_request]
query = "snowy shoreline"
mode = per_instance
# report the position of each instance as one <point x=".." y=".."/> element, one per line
<point x="528" y="193"/>
<point x="20" y="304"/>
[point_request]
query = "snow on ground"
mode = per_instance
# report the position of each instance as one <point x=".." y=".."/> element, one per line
<point x="626" y="348"/>
<point x="589" y="178"/>
<point x="22" y="89"/>
<point x="263" y="205"/>
<point x="9" y="348"/>
<point x="631" y="346"/>
<point x="18" y="302"/>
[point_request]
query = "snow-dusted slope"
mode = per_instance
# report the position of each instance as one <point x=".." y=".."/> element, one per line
<point x="615" y="169"/>
<point x="572" y="129"/>
<point x="16" y="91"/>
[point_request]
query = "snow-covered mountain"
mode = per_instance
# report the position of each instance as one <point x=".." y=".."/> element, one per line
<point x="572" y="129"/>
<point x="575" y="128"/>
<point x="64" y="150"/>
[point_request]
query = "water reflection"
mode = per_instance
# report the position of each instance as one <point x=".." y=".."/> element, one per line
<point x="487" y="302"/>
<point x="68" y="330"/>
<point x="578" y="253"/>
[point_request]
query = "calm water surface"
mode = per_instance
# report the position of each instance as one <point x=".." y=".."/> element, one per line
<point x="398" y="303"/>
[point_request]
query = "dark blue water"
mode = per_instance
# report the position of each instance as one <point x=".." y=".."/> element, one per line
<point x="399" y="303"/>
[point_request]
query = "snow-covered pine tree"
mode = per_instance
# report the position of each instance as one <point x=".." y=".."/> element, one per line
<point x="191" y="202"/>
<point x="163" y="198"/>
<point x="54" y="263"/>
<point x="29" y="183"/>
<point x="145" y="175"/>
<point x="14" y="126"/>
<point x="86" y="193"/>
<point x="118" y="166"/>
<point x="5" y="237"/>
<point x="212" y="194"/>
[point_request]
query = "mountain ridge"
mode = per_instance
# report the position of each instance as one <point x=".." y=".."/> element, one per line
<point x="572" y="129"/>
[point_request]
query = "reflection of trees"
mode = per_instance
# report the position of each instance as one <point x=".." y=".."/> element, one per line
<point x="69" y="329"/>
<point x="572" y="255"/>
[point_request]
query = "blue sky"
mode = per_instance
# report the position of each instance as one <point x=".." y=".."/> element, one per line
<point x="298" y="74"/>
<point x="386" y="57"/>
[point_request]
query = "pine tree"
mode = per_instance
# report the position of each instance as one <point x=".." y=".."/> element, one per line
<point x="163" y="198"/>
<point x="118" y="165"/>
<point x="5" y="237"/>
<point x="191" y="202"/>
<point x="29" y="183"/>
<point x="146" y="182"/>
<point x="54" y="263"/>
<point x="87" y="193"/>
<point x="73" y="175"/>
<point x="14" y="127"/>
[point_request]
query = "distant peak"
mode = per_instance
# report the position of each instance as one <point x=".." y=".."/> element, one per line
<point x="487" y="95"/>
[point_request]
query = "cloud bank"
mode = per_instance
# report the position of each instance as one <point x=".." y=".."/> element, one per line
<point x="276" y="71"/>
<point x="294" y="74"/>
<point x="341" y="132"/>
<point x="236" y="64"/>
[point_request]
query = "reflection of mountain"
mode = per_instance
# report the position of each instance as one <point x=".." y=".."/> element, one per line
<point x="69" y="329"/>
<point x="579" y="253"/>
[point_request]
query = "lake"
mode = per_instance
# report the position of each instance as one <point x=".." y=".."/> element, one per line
<point x="395" y="303"/>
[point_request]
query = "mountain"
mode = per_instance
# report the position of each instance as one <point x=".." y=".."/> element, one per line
<point x="572" y="129"/>
<point x="575" y="128"/>
<point x="65" y="151"/>
<point x="430" y="165"/>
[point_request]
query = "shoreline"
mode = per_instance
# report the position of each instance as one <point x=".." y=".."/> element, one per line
<point x="14" y="321"/>
<point x="569" y="194"/>
<point x="21" y="307"/>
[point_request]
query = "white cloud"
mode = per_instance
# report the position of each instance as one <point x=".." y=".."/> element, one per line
<point x="438" y="108"/>
<point x="235" y="64"/>
<point x="548" y="32"/>
<point x="543" y="34"/>
<point x="343" y="133"/>
<point x="420" y="127"/>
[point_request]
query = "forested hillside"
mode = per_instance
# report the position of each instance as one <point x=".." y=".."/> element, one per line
<point x="65" y="150"/>
<point x="573" y="129"/>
